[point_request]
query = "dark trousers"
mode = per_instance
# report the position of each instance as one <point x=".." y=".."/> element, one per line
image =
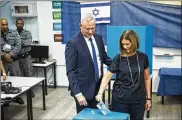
<point x="90" y="104"/>
<point x="136" y="110"/>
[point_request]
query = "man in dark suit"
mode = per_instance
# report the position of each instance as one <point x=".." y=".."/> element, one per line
<point x="85" y="55"/>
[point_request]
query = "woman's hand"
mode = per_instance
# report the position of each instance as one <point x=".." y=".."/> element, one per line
<point x="98" y="97"/>
<point x="105" y="80"/>
<point x="148" y="105"/>
<point x="4" y="76"/>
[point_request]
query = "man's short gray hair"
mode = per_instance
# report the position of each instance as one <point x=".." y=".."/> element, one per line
<point x="1" y="19"/>
<point x="87" y="17"/>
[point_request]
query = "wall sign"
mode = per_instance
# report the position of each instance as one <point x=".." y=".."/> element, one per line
<point x="57" y="26"/>
<point x="57" y="37"/>
<point x="57" y="23"/>
<point x="56" y="15"/>
<point x="56" y="4"/>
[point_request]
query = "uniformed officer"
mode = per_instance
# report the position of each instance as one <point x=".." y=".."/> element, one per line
<point x="26" y="40"/>
<point x="25" y="60"/>
<point x="10" y="40"/>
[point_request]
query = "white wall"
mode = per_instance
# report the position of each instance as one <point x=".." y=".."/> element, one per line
<point x="41" y="28"/>
<point x="30" y="23"/>
<point x="45" y="25"/>
<point x="175" y="2"/>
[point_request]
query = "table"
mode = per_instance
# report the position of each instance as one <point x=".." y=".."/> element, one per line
<point x="44" y="66"/>
<point x="2" y="110"/>
<point x="29" y="83"/>
<point x="170" y="82"/>
<point x="3" y="96"/>
<point x="95" y="114"/>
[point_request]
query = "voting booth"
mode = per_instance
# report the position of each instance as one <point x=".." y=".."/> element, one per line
<point x="145" y="34"/>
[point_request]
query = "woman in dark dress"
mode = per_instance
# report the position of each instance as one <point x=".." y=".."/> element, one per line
<point x="131" y="90"/>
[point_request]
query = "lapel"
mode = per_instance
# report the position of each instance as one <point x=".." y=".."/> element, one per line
<point x="84" y="45"/>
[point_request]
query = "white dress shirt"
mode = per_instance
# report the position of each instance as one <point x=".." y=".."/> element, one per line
<point x="96" y="50"/>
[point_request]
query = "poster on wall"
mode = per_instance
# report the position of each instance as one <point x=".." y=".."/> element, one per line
<point x="57" y="37"/>
<point x="57" y="23"/>
<point x="56" y="15"/>
<point x="57" y="26"/>
<point x="56" y="4"/>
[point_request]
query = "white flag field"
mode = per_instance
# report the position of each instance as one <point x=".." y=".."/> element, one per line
<point x="101" y="10"/>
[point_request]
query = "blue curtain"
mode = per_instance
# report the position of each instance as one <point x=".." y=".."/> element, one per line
<point x="70" y="20"/>
<point x="165" y="18"/>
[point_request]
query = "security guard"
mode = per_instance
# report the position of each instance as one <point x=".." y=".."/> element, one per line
<point x="25" y="60"/>
<point x="11" y="41"/>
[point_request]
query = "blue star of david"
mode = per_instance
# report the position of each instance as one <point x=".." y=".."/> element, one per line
<point x="95" y="12"/>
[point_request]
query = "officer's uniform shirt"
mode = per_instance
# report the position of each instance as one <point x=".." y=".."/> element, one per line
<point x="12" y="38"/>
<point x="25" y="62"/>
<point x="26" y="40"/>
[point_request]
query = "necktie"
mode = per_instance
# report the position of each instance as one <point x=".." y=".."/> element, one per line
<point x="95" y="61"/>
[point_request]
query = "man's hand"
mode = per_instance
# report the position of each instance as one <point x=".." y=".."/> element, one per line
<point x="81" y="100"/>
<point x="148" y="105"/>
<point x="98" y="97"/>
<point x="3" y="54"/>
<point x="8" y="57"/>
<point x="4" y="76"/>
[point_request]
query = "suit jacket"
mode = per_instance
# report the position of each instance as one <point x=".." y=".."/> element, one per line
<point x="80" y="66"/>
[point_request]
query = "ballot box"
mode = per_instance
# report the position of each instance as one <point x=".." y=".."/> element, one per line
<point x="95" y="114"/>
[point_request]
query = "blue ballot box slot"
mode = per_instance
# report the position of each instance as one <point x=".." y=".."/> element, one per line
<point x="95" y="114"/>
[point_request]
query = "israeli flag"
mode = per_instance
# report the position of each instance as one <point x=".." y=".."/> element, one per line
<point x="101" y="10"/>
